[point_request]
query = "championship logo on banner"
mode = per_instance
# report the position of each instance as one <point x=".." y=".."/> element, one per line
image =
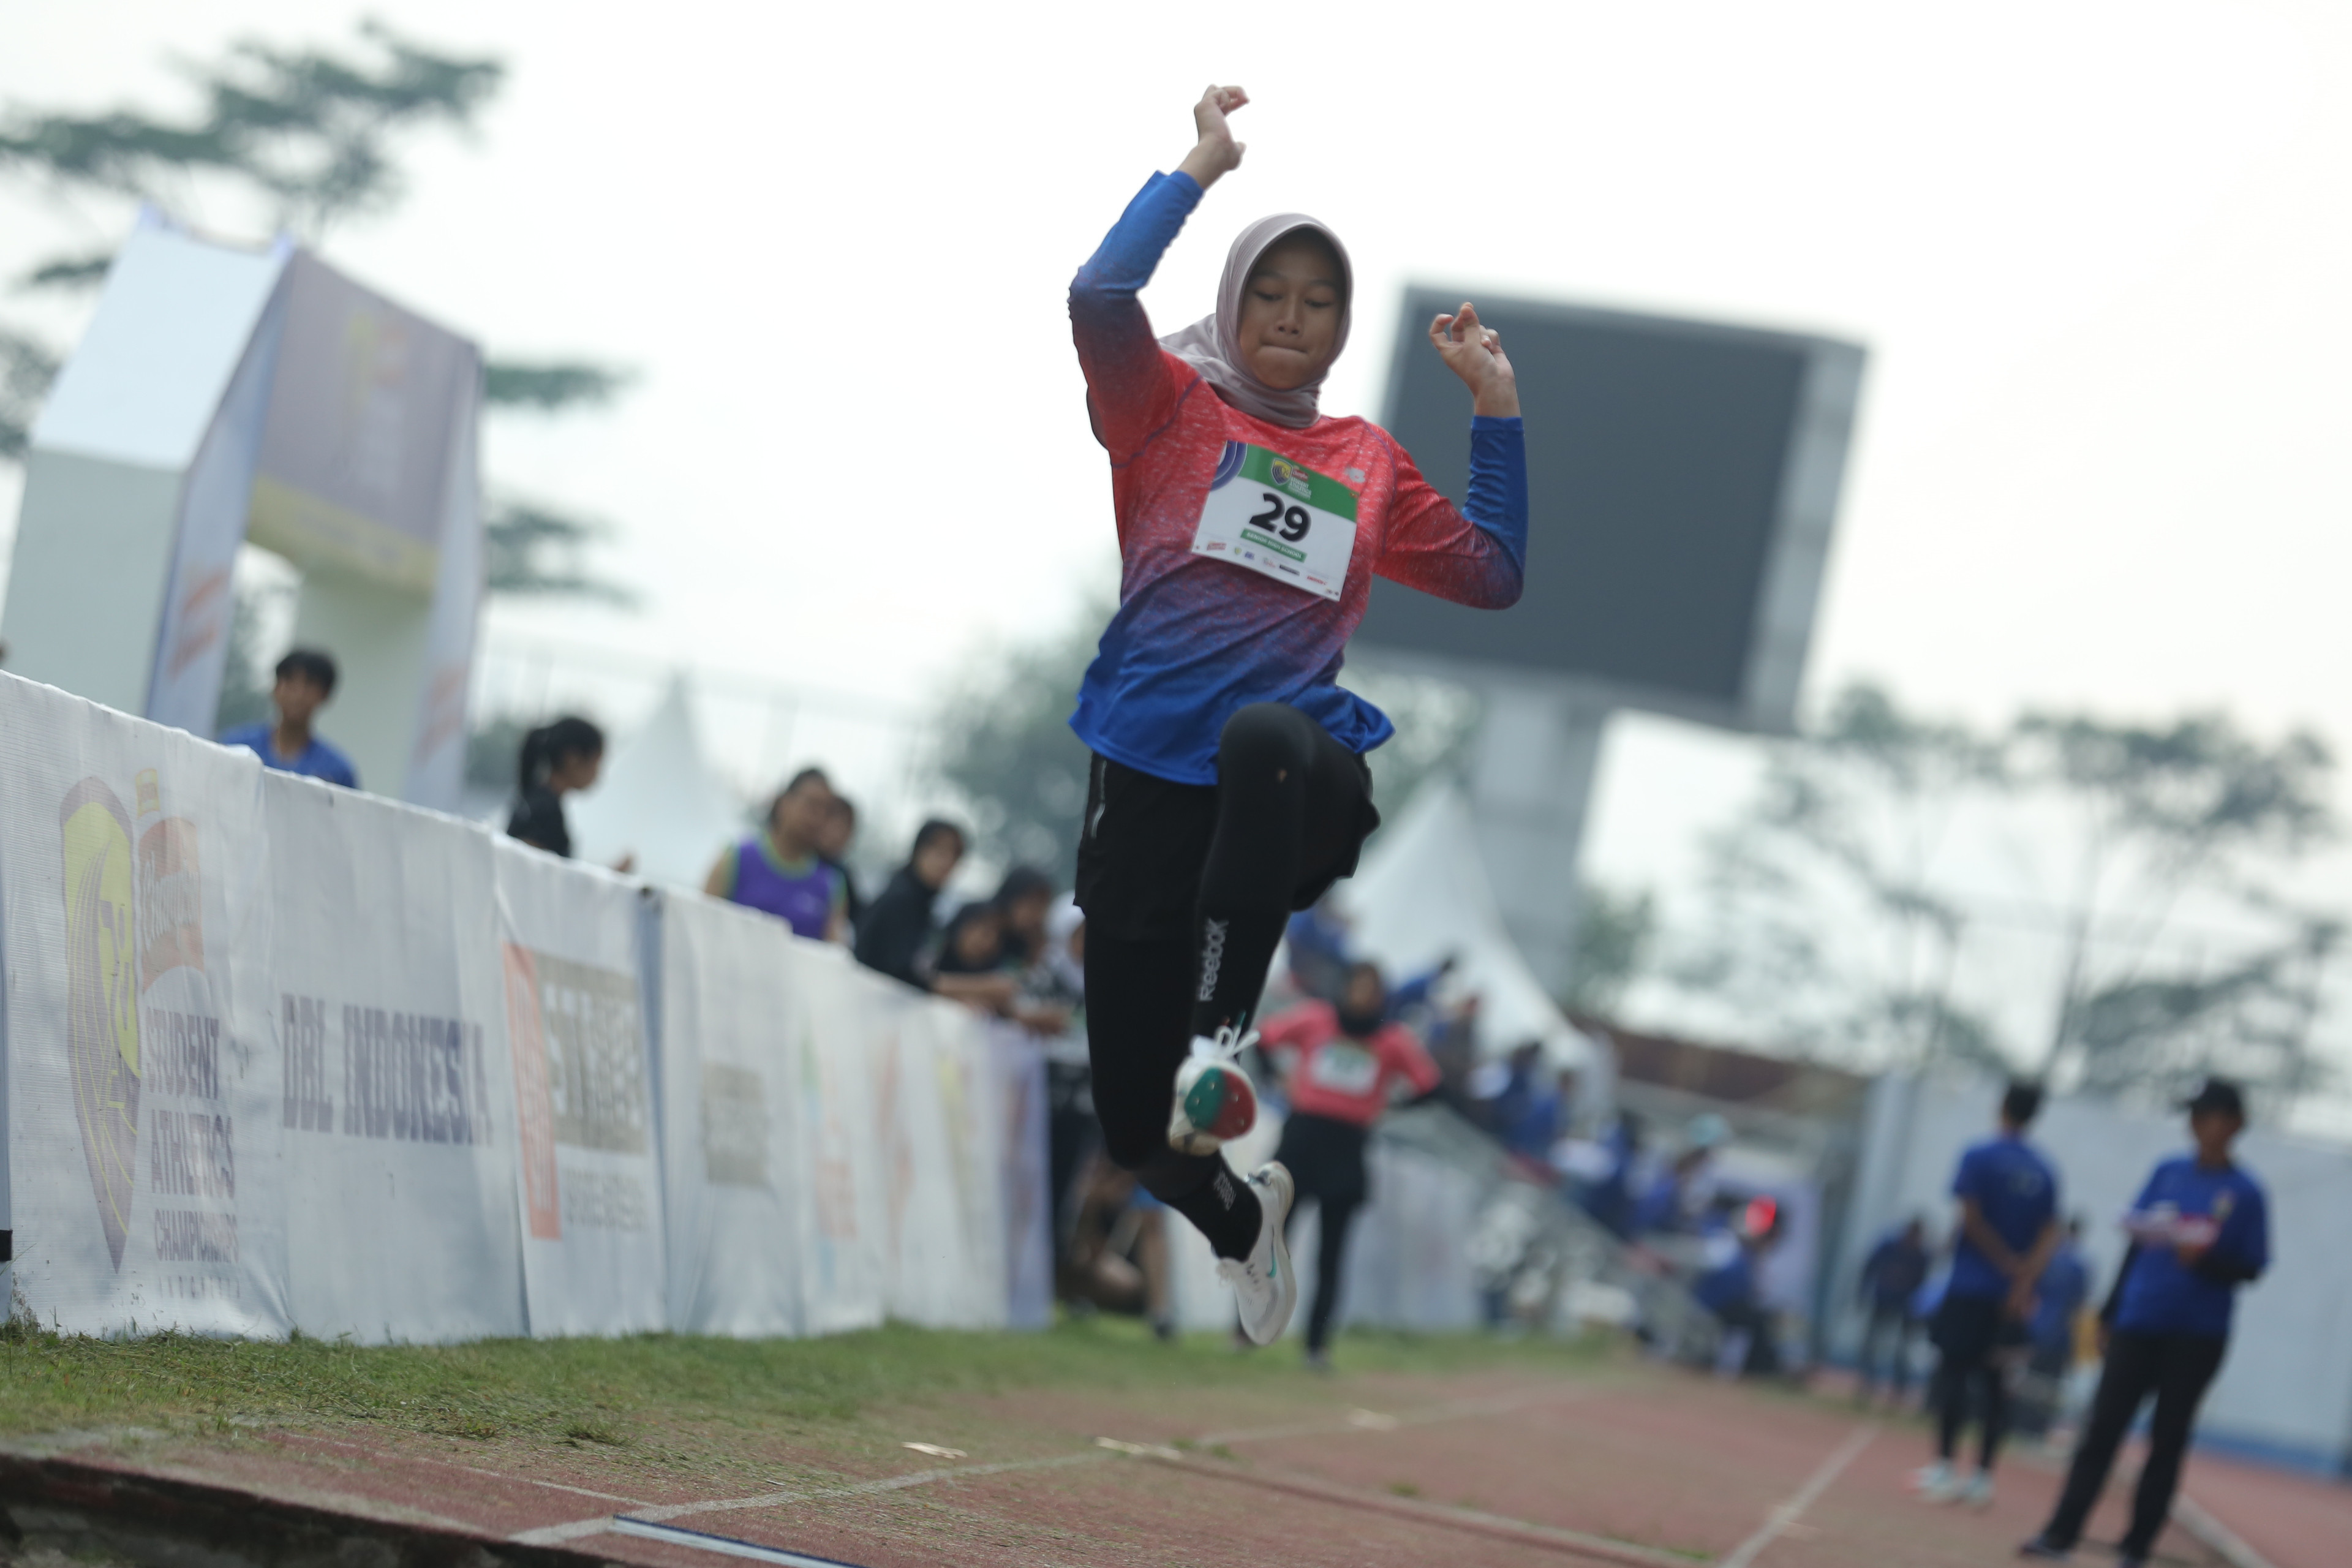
<point x="143" y="1152"/>
<point x="101" y="997"/>
<point x="586" y="1172"/>
<point x="731" y="1103"/>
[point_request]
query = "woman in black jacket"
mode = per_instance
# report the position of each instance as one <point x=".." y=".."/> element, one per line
<point x="897" y="929"/>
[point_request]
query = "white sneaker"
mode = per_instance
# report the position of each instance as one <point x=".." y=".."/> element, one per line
<point x="1977" y="1491"/>
<point x="1263" y="1287"/>
<point x="1935" y="1482"/>
<point x="1214" y="1098"/>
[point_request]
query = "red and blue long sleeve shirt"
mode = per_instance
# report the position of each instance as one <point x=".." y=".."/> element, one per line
<point x="1221" y="604"/>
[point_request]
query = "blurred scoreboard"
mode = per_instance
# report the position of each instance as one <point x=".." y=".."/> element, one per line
<point x="1684" y="480"/>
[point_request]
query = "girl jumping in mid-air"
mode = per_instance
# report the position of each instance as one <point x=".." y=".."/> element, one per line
<point x="1229" y="784"/>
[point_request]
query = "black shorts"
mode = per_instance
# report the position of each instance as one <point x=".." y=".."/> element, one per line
<point x="1144" y="843"/>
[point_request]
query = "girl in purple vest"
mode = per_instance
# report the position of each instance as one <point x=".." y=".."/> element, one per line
<point x="779" y="868"/>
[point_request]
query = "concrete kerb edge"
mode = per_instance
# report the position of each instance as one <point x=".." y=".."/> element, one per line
<point x="210" y="1526"/>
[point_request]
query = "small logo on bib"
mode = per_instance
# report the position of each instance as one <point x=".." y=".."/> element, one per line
<point x="1290" y="476"/>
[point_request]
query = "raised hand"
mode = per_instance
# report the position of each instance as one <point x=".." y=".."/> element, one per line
<point x="1474" y="352"/>
<point x="1214" y="151"/>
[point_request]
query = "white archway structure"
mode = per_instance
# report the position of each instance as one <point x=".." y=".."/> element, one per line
<point x="222" y="394"/>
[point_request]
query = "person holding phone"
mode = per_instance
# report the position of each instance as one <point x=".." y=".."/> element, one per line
<point x="2200" y="1231"/>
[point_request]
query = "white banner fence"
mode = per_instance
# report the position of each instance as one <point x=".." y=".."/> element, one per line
<point x="278" y="1055"/>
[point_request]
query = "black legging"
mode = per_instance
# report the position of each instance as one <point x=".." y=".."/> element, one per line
<point x="1969" y="1331"/>
<point x="2177" y="1369"/>
<point x="1289" y="815"/>
<point x="1326" y="1156"/>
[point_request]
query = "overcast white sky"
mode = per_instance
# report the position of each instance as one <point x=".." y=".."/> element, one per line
<point x="2098" y="254"/>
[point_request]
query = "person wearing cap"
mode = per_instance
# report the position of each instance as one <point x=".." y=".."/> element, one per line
<point x="2199" y="1229"/>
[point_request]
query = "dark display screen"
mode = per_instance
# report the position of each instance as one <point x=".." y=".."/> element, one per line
<point x="1655" y="455"/>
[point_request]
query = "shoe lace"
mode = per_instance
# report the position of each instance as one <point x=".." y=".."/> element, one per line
<point x="1228" y="1044"/>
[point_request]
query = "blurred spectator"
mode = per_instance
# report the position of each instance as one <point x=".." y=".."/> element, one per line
<point x="1342" y="1063"/>
<point x="979" y="963"/>
<point x="1453" y="1037"/>
<point x="1507" y="1089"/>
<point x="2059" y="1296"/>
<point x="306" y="679"/>
<point x="1734" y="1238"/>
<point x="1891" y="1276"/>
<point x="899" y="927"/>
<point x="1022" y="899"/>
<point x="974" y="941"/>
<point x="1317" y="943"/>
<point x="1059" y="980"/>
<point x="833" y="843"/>
<point x="1114" y="1255"/>
<point x="556" y="759"/>
<point x="1545" y="1116"/>
<point x="1419" y="994"/>
<point x="1610" y="1198"/>
<point x="1683" y="1189"/>
<point x="779" y="870"/>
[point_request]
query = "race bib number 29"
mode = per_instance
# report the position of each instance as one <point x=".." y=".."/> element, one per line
<point x="1281" y="518"/>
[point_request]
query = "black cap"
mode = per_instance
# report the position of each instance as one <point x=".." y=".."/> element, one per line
<point x="2217" y="1094"/>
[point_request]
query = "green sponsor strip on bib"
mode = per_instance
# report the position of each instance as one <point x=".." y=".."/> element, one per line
<point x="1277" y="472"/>
<point x="1260" y="540"/>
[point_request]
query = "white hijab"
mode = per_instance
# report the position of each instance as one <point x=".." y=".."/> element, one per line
<point x="1211" y="345"/>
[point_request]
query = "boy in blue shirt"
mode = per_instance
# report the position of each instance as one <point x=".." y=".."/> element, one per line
<point x="306" y="679"/>
<point x="2199" y="1229"/>
<point x="2008" y="1229"/>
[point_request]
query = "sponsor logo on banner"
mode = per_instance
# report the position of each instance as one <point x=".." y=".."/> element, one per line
<point x="534" y="1116"/>
<point x="734" y="1126"/>
<point x="412" y="1076"/>
<point x="833" y="1171"/>
<point x="580" y="1082"/>
<point x="896" y="1142"/>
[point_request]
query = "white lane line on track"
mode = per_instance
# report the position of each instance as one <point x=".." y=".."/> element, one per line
<point x="1444" y="1516"/>
<point x="1786" y="1514"/>
<point x="574" y="1529"/>
<point x="2199" y="1521"/>
<point x="473" y="1470"/>
<point x="1354" y="1422"/>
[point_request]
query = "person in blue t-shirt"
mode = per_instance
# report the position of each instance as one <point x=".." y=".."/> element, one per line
<point x="1891" y="1277"/>
<point x="306" y="679"/>
<point x="2009" y="1228"/>
<point x="2199" y="1229"/>
<point x="2058" y="1299"/>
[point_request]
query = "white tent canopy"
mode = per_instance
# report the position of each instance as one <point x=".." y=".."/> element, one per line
<point x="1422" y="896"/>
<point x="658" y="800"/>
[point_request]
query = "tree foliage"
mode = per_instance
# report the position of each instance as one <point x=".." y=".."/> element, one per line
<point x="1842" y="898"/>
<point x="1615" y="931"/>
<point x="551" y="386"/>
<point x="310" y="131"/>
<point x="1004" y="745"/>
<point x="26" y="369"/>
<point x="533" y="550"/>
<point x="310" y="137"/>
